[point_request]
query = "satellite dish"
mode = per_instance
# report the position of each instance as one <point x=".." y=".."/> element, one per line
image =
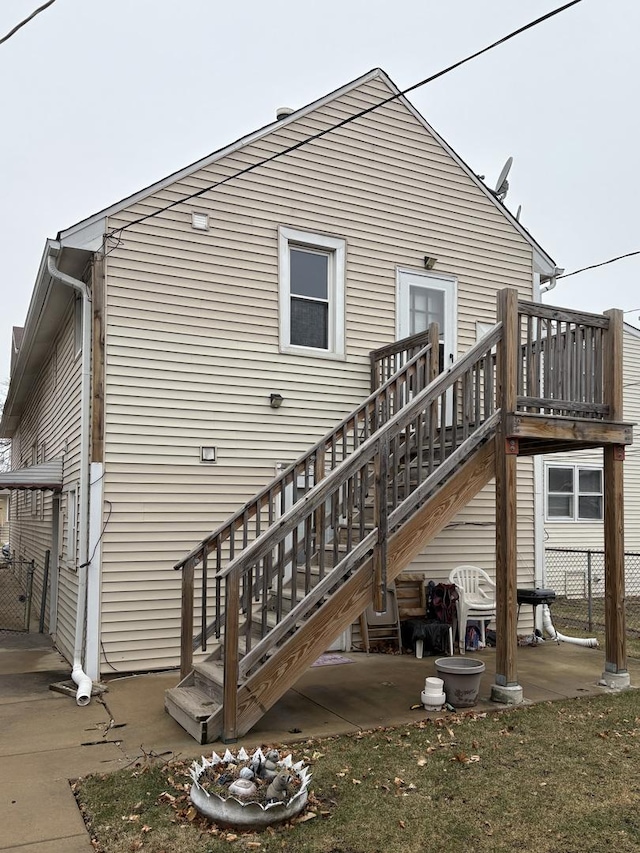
<point x="502" y="186"/>
<point x="518" y="212"/>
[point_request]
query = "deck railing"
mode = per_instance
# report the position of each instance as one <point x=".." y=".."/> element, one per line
<point x="560" y="366"/>
<point x="273" y="501"/>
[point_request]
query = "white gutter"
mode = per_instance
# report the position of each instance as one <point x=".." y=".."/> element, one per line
<point x="552" y="281"/>
<point x="83" y="694"/>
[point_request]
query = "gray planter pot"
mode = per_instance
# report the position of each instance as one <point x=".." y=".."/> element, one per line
<point x="461" y="676"/>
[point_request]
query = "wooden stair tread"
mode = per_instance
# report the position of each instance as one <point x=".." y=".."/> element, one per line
<point x="193" y="702"/>
<point x="213" y="670"/>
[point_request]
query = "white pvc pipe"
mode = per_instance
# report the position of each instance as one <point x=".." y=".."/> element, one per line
<point x="83" y="694"/>
<point x="589" y="642"/>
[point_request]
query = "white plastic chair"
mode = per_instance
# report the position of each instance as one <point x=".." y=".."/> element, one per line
<point x="476" y="599"/>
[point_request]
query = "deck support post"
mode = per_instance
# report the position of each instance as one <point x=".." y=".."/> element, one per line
<point x="615" y="668"/>
<point x="506" y="688"/>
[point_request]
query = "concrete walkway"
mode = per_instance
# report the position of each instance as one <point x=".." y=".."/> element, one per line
<point x="46" y="739"/>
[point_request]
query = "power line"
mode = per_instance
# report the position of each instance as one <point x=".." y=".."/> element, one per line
<point x="601" y="264"/>
<point x="26" y="20"/>
<point x="345" y="121"/>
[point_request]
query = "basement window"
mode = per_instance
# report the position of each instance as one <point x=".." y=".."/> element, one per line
<point x="312" y="297"/>
<point x="574" y="493"/>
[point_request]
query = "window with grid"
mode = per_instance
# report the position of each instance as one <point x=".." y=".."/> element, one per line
<point x="574" y="493"/>
<point x="311" y="293"/>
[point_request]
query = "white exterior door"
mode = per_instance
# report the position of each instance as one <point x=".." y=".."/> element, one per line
<point x="425" y="298"/>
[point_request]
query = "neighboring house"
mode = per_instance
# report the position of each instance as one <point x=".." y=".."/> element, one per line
<point x="574" y="500"/>
<point x="150" y="355"/>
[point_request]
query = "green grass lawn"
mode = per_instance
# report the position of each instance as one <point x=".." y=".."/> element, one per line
<point x="558" y="777"/>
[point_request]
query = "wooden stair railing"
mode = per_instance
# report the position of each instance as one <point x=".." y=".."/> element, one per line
<point x="418" y="360"/>
<point x="410" y="456"/>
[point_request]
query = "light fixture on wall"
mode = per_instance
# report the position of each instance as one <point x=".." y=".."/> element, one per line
<point x="429" y="262"/>
<point x="207" y="454"/>
<point x="276" y="400"/>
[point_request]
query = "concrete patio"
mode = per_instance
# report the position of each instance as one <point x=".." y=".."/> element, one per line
<point x="47" y="739"/>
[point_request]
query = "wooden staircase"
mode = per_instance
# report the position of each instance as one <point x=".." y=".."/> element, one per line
<point x="301" y="561"/>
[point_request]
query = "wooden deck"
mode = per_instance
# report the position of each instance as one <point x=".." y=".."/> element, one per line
<point x="305" y="557"/>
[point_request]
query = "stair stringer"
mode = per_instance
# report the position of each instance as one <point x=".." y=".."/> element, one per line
<point x="262" y="689"/>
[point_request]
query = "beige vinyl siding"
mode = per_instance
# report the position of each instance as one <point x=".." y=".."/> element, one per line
<point x="51" y="420"/>
<point x="193" y="344"/>
<point x="585" y="534"/>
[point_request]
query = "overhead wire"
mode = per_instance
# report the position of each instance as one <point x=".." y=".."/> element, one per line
<point x="289" y="149"/>
<point x="601" y="264"/>
<point x="26" y="20"/>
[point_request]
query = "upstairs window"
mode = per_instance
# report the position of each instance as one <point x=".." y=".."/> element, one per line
<point x="312" y="282"/>
<point x="574" y="493"/>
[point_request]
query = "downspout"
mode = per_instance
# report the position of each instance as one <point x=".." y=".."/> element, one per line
<point x="83" y="694"/>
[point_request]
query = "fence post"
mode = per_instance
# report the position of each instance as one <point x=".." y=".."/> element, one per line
<point x="27" y="614"/>
<point x="45" y="584"/>
<point x="589" y="598"/>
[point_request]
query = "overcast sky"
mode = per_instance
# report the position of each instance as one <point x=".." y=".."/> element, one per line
<point x="102" y="97"/>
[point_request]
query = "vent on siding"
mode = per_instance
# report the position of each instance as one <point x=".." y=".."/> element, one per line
<point x="200" y="221"/>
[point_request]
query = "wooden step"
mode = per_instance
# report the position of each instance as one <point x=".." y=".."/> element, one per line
<point x="191" y="708"/>
<point x="208" y="677"/>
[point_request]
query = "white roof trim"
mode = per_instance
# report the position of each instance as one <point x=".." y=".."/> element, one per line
<point x="83" y="234"/>
<point x="217" y="155"/>
<point x="632" y="330"/>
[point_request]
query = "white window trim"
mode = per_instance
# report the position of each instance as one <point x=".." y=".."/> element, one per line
<point x="72" y="527"/>
<point x="288" y="237"/>
<point x="575" y="519"/>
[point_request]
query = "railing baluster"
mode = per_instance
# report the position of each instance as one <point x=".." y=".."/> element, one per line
<point x="218" y="589"/>
<point x="335" y="526"/>
<point x="454" y="416"/>
<point x="308" y="536"/>
<point x="249" y="580"/>
<point x="349" y="514"/>
<point x="203" y="610"/>
<point x="443" y="427"/>
<point x="407" y="461"/>
<point x="381" y="462"/>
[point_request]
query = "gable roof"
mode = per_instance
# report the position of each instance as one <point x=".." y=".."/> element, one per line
<point x="88" y="232"/>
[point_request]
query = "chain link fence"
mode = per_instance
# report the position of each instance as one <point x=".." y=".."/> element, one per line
<point x="577" y="576"/>
<point x="16" y="593"/>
